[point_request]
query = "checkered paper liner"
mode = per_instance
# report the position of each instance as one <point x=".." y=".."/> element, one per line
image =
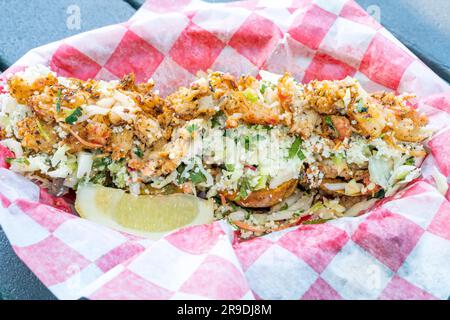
<point x="399" y="250"/>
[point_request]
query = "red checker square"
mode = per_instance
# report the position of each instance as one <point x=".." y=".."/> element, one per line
<point x="385" y="62"/>
<point x="400" y="289"/>
<point x="439" y="101"/>
<point x="4" y="201"/>
<point x="352" y="11"/>
<point x="59" y="203"/>
<point x="196" y="239"/>
<point x="118" y="255"/>
<point x="256" y="38"/>
<point x="315" y="244"/>
<point x="249" y="251"/>
<point x="321" y="290"/>
<point x="388" y="237"/>
<point x="440" y="225"/>
<point x="216" y="278"/>
<point x="51" y="260"/>
<point x="311" y="27"/>
<point x="129" y="286"/>
<point x="134" y="54"/>
<point x="324" y="67"/>
<point x="415" y="189"/>
<point x="440" y="149"/>
<point x="46" y="216"/>
<point x="69" y="62"/>
<point x="196" y="49"/>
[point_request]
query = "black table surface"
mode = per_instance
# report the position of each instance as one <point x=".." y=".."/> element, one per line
<point x="422" y="25"/>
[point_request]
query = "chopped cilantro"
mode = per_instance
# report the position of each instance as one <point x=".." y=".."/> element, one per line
<point x="284" y="206"/>
<point x="215" y="120"/>
<point x="329" y="122"/>
<point x="410" y="161"/>
<point x="246" y="141"/>
<point x="295" y="150"/>
<point x="73" y="117"/>
<point x="244" y="188"/>
<point x="229" y="167"/>
<point x="263" y="88"/>
<point x="9" y="160"/>
<point x="100" y="164"/>
<point x="137" y="151"/>
<point x="191" y="128"/>
<point x="197" y="177"/>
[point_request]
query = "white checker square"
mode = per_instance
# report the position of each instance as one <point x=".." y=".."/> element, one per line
<point x="14" y="186"/>
<point x="169" y="26"/>
<point x="101" y="49"/>
<point x="174" y="74"/>
<point x="333" y="6"/>
<point x="347" y="41"/>
<point x="21" y="230"/>
<point x="280" y="16"/>
<point x="369" y="85"/>
<point x="355" y="274"/>
<point x="427" y="266"/>
<point x="89" y="239"/>
<point x="73" y="287"/>
<point x="229" y="60"/>
<point x="279" y="274"/>
<point x="420" y="80"/>
<point x="419" y="208"/>
<point x="222" y="22"/>
<point x="165" y="265"/>
<point x="105" y="75"/>
<point x="224" y="250"/>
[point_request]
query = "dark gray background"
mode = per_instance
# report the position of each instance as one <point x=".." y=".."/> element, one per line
<point x="422" y="25"/>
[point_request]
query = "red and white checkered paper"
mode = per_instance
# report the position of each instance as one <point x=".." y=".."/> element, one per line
<point x="399" y="250"/>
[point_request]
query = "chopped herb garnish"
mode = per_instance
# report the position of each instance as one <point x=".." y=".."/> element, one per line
<point x="138" y="152"/>
<point x="410" y="161"/>
<point x="229" y="167"/>
<point x="380" y="194"/>
<point x="361" y="107"/>
<point x="73" y="117"/>
<point x="191" y="128"/>
<point x="329" y="122"/>
<point x="263" y="88"/>
<point x="17" y="160"/>
<point x="101" y="163"/>
<point x="246" y="141"/>
<point x="244" y="188"/>
<point x="316" y="221"/>
<point x="284" y="206"/>
<point x="58" y="101"/>
<point x="215" y="120"/>
<point x="197" y="177"/>
<point x="295" y="150"/>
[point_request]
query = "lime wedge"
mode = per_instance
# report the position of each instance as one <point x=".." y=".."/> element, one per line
<point x="145" y="215"/>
